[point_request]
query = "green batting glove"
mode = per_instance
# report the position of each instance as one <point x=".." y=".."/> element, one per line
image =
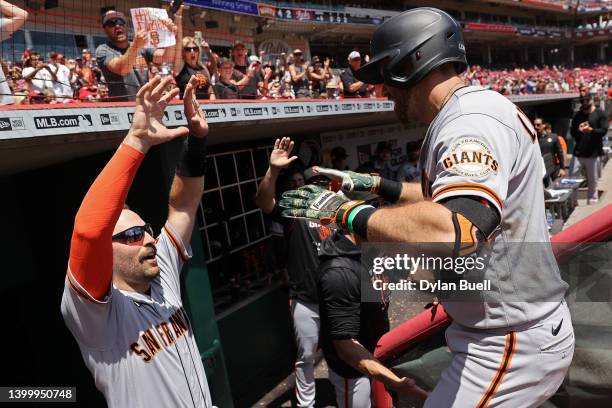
<point x="388" y="189"/>
<point x="350" y="180"/>
<point x="314" y="202"/>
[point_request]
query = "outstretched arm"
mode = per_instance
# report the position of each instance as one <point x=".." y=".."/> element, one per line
<point x="188" y="185"/>
<point x="355" y="355"/>
<point x="411" y="193"/>
<point x="91" y="254"/>
<point x="178" y="62"/>
<point x="279" y="159"/>
<point x="423" y="221"/>
<point x="390" y="190"/>
<point x="15" y="17"/>
<point x="166" y="55"/>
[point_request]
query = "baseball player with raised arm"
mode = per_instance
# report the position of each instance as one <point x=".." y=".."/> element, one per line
<point x="481" y="184"/>
<point x="122" y="296"/>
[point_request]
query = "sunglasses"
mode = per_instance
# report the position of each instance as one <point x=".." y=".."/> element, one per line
<point x="188" y="49"/>
<point x="113" y="23"/>
<point x="134" y="234"/>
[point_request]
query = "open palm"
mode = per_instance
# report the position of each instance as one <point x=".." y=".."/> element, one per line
<point x="150" y="106"/>
<point x="279" y="158"/>
<point x="196" y="119"/>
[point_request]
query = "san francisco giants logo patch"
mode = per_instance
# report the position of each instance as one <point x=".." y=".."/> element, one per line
<point x="470" y="157"/>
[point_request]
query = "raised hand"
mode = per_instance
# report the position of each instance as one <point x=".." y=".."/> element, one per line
<point x="147" y="128"/>
<point x="198" y="127"/>
<point x="140" y="39"/>
<point x="279" y="158"/>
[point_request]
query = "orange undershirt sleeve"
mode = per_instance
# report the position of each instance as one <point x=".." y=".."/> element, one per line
<point x="91" y="251"/>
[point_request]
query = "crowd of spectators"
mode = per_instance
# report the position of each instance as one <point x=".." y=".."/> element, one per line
<point x="596" y="80"/>
<point x="119" y="67"/>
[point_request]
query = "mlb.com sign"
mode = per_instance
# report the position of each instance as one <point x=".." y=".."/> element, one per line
<point x="64" y="121"/>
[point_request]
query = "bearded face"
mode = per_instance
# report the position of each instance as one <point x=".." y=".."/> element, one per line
<point x="406" y="105"/>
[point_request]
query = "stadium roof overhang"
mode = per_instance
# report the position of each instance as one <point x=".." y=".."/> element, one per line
<point x="35" y="138"/>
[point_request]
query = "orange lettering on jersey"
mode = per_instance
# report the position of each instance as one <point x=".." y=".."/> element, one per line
<point x="146" y="357"/>
<point x="178" y="323"/>
<point x="151" y="342"/>
<point x="176" y="327"/>
<point x="167" y="332"/>
<point x="160" y="336"/>
<point x="182" y="318"/>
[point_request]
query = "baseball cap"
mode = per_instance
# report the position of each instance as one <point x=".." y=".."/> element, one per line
<point x="238" y="43"/>
<point x="354" y="55"/>
<point x="338" y="152"/>
<point x="254" y="58"/>
<point x="86" y="50"/>
<point x="112" y="15"/>
<point x="225" y="61"/>
<point x="297" y="51"/>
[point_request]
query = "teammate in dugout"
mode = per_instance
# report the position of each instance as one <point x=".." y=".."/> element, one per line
<point x="350" y="326"/>
<point x="122" y="296"/>
<point x="302" y="238"/>
<point x="481" y="181"/>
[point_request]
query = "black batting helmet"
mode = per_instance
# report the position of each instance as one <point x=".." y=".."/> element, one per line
<point x="410" y="45"/>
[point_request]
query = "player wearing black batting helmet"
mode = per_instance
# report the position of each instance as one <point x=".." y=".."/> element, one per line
<point x="481" y="194"/>
<point x="412" y="44"/>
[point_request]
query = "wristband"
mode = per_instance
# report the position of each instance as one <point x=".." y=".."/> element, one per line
<point x="389" y="190"/>
<point x="357" y="221"/>
<point x="193" y="158"/>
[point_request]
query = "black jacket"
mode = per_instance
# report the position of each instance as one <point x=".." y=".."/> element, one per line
<point x="302" y="239"/>
<point x="589" y="144"/>
<point x="341" y="279"/>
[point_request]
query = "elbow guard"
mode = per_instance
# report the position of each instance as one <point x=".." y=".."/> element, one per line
<point x="474" y="221"/>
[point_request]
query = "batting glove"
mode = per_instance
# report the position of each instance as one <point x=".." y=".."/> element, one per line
<point x="314" y="202"/>
<point x="388" y="189"/>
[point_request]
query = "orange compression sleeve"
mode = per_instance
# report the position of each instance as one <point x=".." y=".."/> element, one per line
<point x="91" y="251"/>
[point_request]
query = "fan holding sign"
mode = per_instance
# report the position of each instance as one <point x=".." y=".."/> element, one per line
<point x="125" y="64"/>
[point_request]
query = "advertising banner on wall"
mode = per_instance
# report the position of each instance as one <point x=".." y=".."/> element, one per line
<point x="285" y="13"/>
<point x="233" y="6"/>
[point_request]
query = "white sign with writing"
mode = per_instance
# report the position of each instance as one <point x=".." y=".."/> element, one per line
<point x="152" y="20"/>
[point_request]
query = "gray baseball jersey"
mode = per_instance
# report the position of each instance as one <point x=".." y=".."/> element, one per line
<point x="481" y="145"/>
<point x="140" y="349"/>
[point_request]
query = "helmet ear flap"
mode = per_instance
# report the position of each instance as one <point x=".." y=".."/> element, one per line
<point x="399" y="70"/>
